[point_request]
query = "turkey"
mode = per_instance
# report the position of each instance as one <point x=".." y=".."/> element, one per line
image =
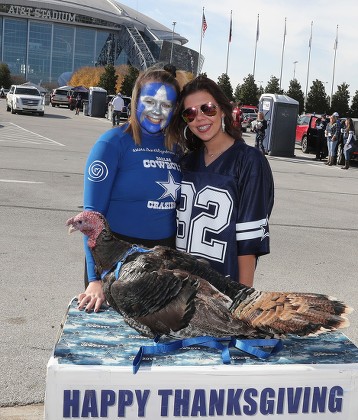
<point x="162" y="291"/>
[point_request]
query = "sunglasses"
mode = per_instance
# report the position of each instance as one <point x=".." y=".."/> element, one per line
<point x="209" y="109"/>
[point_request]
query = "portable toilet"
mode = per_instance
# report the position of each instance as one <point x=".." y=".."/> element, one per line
<point x="281" y="114"/>
<point x="97" y="101"/>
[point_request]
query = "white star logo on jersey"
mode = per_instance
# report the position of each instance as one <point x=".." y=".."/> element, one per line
<point x="171" y="187"/>
<point x="252" y="230"/>
<point x="264" y="229"/>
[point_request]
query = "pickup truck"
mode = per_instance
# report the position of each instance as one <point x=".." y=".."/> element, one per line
<point x="25" y="99"/>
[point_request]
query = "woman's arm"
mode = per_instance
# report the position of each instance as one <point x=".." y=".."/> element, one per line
<point x="247" y="265"/>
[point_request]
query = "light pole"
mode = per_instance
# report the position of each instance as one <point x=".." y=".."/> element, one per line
<point x="294" y="69"/>
<point x="171" y="50"/>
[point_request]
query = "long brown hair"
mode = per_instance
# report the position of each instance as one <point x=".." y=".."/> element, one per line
<point x="177" y="125"/>
<point x="349" y="126"/>
<point x="153" y="74"/>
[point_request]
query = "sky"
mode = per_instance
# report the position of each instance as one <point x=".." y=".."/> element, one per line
<point x="275" y="52"/>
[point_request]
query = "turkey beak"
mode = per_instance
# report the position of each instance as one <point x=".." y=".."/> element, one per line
<point x="71" y="227"/>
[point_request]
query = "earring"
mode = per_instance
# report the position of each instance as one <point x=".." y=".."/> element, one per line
<point x="223" y="124"/>
<point x="185" y="129"/>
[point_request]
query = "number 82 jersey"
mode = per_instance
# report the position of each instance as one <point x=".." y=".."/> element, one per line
<point x="225" y="206"/>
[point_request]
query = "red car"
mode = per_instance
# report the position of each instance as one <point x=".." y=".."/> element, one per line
<point x="304" y="122"/>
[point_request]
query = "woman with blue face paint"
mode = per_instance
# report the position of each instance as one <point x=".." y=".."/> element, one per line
<point x="132" y="175"/>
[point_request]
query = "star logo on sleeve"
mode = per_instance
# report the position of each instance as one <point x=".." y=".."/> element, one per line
<point x="264" y="229"/>
<point x="171" y="187"/>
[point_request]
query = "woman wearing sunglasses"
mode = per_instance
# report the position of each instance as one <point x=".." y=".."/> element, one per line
<point x="227" y="190"/>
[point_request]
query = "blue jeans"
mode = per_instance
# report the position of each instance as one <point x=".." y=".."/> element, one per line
<point x="347" y="153"/>
<point x="331" y="145"/>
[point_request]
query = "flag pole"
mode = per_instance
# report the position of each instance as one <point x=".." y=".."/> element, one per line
<point x="283" y="49"/>
<point x="334" y="65"/>
<point x="228" y="44"/>
<point x="308" y="64"/>
<point x="257" y="38"/>
<point x="202" y="31"/>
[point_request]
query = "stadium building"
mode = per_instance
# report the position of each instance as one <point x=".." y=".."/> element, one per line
<point x="45" y="41"/>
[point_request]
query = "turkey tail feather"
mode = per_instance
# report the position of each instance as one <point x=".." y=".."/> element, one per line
<point x="290" y="313"/>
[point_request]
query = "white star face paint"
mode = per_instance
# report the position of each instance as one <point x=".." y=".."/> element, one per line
<point x="155" y="106"/>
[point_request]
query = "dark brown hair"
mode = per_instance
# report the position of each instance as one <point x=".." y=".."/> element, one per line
<point x="177" y="124"/>
<point x="350" y="125"/>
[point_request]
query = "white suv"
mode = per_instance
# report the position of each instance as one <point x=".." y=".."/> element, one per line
<point x="25" y="99"/>
<point x="59" y="96"/>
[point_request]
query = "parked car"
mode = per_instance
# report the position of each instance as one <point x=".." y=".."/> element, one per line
<point x="59" y="96"/>
<point x="126" y="111"/>
<point x="124" y="115"/>
<point x="306" y="122"/>
<point x="247" y="109"/>
<point x="72" y="95"/>
<point x="239" y="114"/>
<point x="22" y="98"/>
<point x="248" y="119"/>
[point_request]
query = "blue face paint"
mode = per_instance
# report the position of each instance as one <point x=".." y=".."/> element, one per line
<point x="155" y="106"/>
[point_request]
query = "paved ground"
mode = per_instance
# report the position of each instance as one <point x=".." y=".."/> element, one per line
<point x="29" y="412"/>
<point x="313" y="239"/>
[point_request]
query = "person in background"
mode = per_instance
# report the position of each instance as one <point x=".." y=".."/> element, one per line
<point x="227" y="191"/>
<point x="132" y="175"/>
<point x="78" y="103"/>
<point x="260" y="129"/>
<point x="236" y="115"/>
<point x="117" y="105"/>
<point x="349" y="139"/>
<point x="332" y="139"/>
<point x="321" y="124"/>
<point x="339" y="125"/>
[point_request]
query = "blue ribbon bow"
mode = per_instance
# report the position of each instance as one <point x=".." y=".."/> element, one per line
<point x="224" y="344"/>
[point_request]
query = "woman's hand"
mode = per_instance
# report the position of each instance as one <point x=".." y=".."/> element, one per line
<point x="93" y="297"/>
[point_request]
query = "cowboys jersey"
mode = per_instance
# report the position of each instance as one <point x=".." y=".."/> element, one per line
<point x="136" y="187"/>
<point x="225" y="206"/>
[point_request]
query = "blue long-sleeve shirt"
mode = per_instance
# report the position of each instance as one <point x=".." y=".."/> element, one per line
<point x="136" y="188"/>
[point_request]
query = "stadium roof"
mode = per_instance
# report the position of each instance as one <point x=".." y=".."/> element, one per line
<point x="108" y="10"/>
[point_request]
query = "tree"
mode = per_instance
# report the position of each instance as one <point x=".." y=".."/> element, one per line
<point x="273" y="86"/>
<point x="340" y="100"/>
<point x="5" y="75"/>
<point x="295" y="92"/>
<point x="129" y="81"/>
<point x="237" y="94"/>
<point x="354" y="107"/>
<point x="317" y="100"/>
<point x="225" y="85"/>
<point x="86" y="76"/>
<point x="108" y="79"/>
<point x="249" y="93"/>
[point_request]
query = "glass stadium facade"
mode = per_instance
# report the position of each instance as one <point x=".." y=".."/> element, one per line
<point x="44" y="42"/>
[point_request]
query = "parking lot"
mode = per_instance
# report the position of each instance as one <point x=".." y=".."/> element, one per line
<point x="314" y="228"/>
